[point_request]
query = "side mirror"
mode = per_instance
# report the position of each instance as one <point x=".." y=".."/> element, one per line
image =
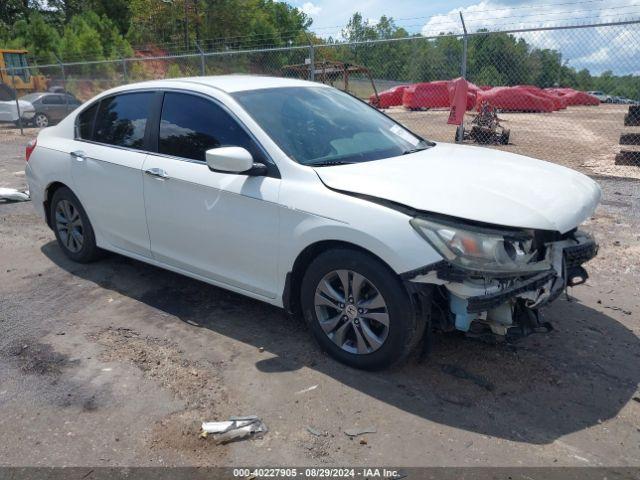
<point x="233" y="160"/>
<point x="229" y="159"/>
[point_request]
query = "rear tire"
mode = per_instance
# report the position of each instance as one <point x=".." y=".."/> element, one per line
<point x="41" y="120"/>
<point x="359" y="337"/>
<point x="72" y="227"/>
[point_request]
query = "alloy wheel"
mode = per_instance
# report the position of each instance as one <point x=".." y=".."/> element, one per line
<point x="69" y="226"/>
<point x="42" y="120"/>
<point x="352" y="312"/>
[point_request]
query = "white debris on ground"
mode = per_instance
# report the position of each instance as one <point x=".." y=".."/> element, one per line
<point x="235" y="428"/>
<point x="14" y="195"/>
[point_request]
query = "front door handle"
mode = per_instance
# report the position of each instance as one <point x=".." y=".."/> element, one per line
<point x="79" y="155"/>
<point x="156" y="172"/>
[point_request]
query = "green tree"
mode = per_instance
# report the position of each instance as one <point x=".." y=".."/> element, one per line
<point x="489" y="75"/>
<point x="503" y="51"/>
<point x="544" y="67"/>
<point x="583" y="80"/>
<point x="36" y="35"/>
<point x="13" y="10"/>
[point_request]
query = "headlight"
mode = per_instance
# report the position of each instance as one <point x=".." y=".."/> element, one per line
<point x="481" y="249"/>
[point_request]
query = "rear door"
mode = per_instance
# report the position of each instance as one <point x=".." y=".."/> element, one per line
<point x="106" y="164"/>
<point x="220" y="226"/>
<point x="53" y="107"/>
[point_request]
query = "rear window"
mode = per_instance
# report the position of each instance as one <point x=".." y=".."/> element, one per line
<point x="122" y="119"/>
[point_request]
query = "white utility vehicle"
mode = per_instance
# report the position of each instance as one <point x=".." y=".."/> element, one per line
<point x="9" y="112"/>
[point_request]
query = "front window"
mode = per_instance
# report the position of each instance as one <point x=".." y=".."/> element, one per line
<point x="323" y="126"/>
<point x="190" y="125"/>
<point x="53" y="100"/>
<point x="16" y="64"/>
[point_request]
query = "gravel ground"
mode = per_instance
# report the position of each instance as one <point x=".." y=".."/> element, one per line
<point x="118" y="362"/>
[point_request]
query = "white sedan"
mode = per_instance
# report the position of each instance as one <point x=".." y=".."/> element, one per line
<point x="300" y="195"/>
<point x="9" y="111"/>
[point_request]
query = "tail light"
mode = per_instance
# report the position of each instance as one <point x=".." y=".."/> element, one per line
<point x="31" y="146"/>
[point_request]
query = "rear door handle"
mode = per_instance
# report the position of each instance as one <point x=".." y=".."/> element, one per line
<point x="79" y="155"/>
<point x="156" y="172"/>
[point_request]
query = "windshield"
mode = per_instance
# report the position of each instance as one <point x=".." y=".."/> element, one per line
<point x="323" y="126"/>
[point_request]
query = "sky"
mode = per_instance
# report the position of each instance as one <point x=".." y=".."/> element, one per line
<point x="614" y="48"/>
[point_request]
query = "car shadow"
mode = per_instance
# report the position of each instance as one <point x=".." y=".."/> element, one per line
<point x="547" y="386"/>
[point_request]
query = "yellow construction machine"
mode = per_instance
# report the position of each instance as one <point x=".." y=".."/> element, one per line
<point x="16" y="76"/>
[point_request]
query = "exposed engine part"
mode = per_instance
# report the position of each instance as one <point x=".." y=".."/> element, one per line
<point x="526" y="322"/>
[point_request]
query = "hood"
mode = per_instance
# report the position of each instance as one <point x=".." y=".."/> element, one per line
<point x="10" y="106"/>
<point x="475" y="183"/>
<point x="25" y="106"/>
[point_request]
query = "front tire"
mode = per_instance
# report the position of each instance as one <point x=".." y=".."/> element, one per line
<point x="358" y="310"/>
<point x="72" y="228"/>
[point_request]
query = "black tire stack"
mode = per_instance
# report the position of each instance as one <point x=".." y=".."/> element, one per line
<point x="630" y="157"/>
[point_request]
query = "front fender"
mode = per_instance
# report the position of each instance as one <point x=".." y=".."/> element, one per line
<point x="327" y="215"/>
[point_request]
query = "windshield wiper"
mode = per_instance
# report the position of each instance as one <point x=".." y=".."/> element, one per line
<point x="413" y="150"/>
<point x="329" y="163"/>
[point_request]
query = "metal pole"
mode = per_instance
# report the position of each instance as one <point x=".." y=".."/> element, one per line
<point x="463" y="69"/>
<point x="186" y="26"/>
<point x="202" y="66"/>
<point x="463" y="73"/>
<point x="64" y="83"/>
<point x="312" y="63"/>
<point x="15" y="94"/>
<point x="312" y="60"/>
<point x="124" y="70"/>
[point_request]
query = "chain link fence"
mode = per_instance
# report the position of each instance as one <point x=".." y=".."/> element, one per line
<point x="532" y="81"/>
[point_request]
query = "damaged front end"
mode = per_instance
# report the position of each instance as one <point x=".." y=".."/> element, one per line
<point x="493" y="280"/>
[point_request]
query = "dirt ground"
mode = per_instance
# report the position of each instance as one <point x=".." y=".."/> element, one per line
<point x="117" y="362"/>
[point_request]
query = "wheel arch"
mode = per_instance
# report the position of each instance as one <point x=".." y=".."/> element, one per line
<point x="293" y="281"/>
<point x="51" y="189"/>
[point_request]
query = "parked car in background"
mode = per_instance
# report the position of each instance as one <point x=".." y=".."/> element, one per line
<point x="51" y="107"/>
<point x="302" y="196"/>
<point x="9" y="112"/>
<point x="600" y="95"/>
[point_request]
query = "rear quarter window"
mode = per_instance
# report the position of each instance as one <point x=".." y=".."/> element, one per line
<point x="84" y="126"/>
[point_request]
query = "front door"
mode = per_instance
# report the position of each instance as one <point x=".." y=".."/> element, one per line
<point x="220" y="226"/>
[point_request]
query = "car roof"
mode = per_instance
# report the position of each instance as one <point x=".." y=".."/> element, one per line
<point x="33" y="96"/>
<point x="226" y="83"/>
<point x="45" y="94"/>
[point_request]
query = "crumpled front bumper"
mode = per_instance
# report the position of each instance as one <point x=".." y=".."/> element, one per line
<point x="472" y="294"/>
